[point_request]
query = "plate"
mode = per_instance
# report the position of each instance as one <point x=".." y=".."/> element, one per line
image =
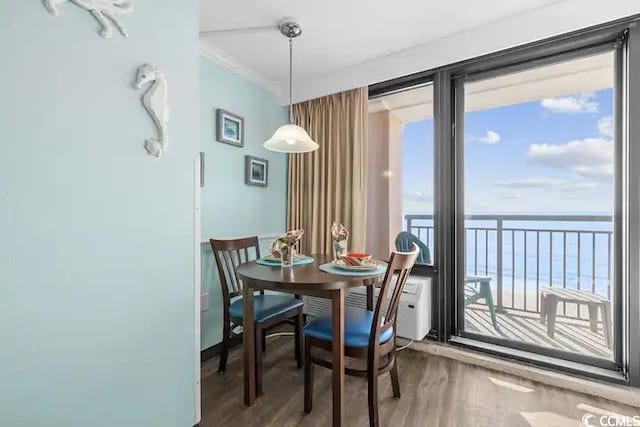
<point x="277" y="259"/>
<point x="371" y="265"/>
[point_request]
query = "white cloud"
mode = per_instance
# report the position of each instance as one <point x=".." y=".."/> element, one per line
<point x="605" y="126"/>
<point x="491" y="137"/>
<point x="528" y="183"/>
<point x="544" y="183"/>
<point x="582" y="103"/>
<point x="417" y="197"/>
<point x="589" y="158"/>
<point x="510" y="196"/>
<point x="576" y="186"/>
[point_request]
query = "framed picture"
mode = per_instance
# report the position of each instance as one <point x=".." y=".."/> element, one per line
<point x="229" y="128"/>
<point x="256" y="171"/>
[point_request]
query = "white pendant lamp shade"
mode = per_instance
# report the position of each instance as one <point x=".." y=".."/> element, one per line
<point x="291" y="139"/>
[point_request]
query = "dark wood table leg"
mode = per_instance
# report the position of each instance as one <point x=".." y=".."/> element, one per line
<point x="337" y="350"/>
<point x="370" y="290"/>
<point x="248" y="342"/>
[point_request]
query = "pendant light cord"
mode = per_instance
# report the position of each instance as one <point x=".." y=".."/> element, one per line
<point x="290" y="80"/>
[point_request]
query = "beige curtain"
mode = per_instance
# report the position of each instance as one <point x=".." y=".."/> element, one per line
<point x="329" y="184"/>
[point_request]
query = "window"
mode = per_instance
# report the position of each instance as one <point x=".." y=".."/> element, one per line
<point x="531" y="154"/>
<point x="400" y="197"/>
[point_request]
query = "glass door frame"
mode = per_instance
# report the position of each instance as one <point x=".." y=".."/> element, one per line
<point x="616" y="46"/>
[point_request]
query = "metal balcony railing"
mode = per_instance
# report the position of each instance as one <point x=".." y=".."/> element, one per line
<point x="523" y="253"/>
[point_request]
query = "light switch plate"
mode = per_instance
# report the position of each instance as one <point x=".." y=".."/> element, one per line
<point x="204" y="301"/>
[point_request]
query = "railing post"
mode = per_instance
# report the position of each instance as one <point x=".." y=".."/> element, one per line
<point x="499" y="264"/>
<point x="408" y="219"/>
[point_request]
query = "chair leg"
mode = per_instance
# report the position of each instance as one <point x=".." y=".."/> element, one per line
<point x="264" y="341"/>
<point x="393" y="372"/>
<point x="372" y="379"/>
<point x="224" y="351"/>
<point x="259" y="355"/>
<point x="308" y="377"/>
<point x="486" y="291"/>
<point x="298" y="338"/>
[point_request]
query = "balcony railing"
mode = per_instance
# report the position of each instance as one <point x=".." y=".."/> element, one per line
<point x="523" y="253"/>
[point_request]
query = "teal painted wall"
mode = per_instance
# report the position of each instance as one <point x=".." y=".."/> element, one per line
<point x="229" y="207"/>
<point x="96" y="237"/>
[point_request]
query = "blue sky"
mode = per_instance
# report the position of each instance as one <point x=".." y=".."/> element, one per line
<point x="548" y="156"/>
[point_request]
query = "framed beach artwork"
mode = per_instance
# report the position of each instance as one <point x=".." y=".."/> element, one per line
<point x="256" y="171"/>
<point x="229" y="128"/>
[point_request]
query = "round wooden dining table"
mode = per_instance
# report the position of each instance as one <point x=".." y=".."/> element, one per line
<point x="305" y="279"/>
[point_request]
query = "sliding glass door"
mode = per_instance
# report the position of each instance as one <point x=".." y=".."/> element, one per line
<point x="537" y="201"/>
<point x="517" y="172"/>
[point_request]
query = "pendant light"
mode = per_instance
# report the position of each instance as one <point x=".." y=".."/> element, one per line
<point x="291" y="138"/>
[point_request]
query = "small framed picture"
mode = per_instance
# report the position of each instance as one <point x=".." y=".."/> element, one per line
<point x="229" y="128"/>
<point x="256" y="171"/>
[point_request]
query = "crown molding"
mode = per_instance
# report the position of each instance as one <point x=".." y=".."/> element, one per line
<point x="219" y="57"/>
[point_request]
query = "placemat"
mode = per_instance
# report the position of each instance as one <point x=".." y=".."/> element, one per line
<point x="332" y="269"/>
<point x="297" y="261"/>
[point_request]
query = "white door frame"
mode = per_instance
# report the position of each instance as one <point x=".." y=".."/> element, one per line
<point x="197" y="289"/>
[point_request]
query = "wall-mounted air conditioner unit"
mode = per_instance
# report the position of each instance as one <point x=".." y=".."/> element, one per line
<point x="414" y="309"/>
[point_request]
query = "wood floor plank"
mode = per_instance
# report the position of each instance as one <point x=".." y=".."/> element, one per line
<point x="435" y="392"/>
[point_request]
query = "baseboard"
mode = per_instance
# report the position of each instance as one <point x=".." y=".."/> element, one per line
<point x="617" y="393"/>
<point x="214" y="350"/>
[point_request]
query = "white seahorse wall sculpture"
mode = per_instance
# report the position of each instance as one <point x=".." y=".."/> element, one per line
<point x="155" y="102"/>
<point x="105" y="12"/>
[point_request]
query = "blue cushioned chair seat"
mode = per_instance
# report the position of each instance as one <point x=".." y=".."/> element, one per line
<point x="357" y="328"/>
<point x="266" y="306"/>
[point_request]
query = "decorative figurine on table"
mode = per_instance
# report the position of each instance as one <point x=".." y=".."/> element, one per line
<point x="284" y="247"/>
<point x="340" y="237"/>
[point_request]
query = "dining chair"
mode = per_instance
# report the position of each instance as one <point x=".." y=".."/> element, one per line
<point x="368" y="335"/>
<point x="269" y="309"/>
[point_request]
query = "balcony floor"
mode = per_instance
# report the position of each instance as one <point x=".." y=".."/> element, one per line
<point x="570" y="334"/>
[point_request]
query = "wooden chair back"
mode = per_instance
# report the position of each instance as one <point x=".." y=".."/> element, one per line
<point x="229" y="253"/>
<point x="395" y="278"/>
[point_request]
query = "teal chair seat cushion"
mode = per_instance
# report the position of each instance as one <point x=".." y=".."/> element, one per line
<point x="266" y="306"/>
<point x="357" y="328"/>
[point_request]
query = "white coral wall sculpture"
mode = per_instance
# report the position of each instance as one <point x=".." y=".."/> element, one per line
<point x="155" y="102"/>
<point x="105" y="11"/>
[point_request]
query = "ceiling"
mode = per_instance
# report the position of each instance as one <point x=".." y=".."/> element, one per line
<point x="338" y="34"/>
<point x="341" y="37"/>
